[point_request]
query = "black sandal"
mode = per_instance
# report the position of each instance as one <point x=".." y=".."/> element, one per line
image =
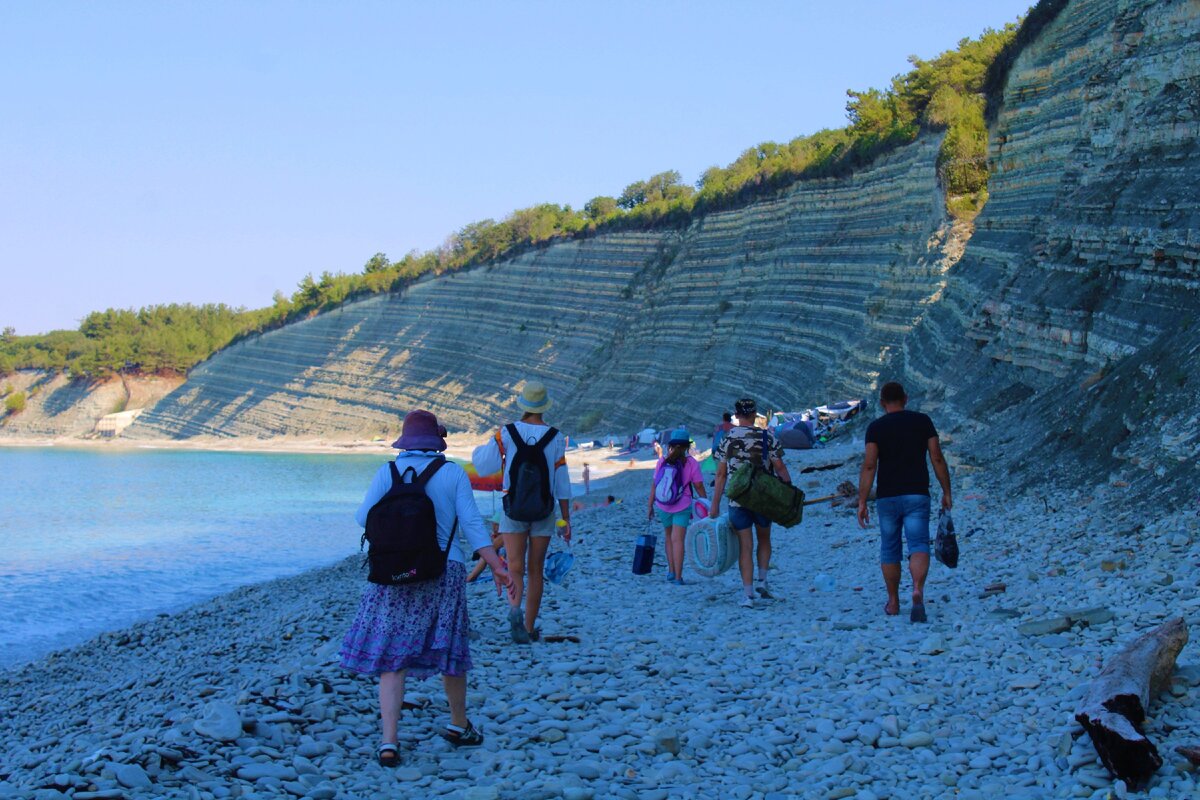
<point x="471" y="737"/>
<point x="388" y="754"/>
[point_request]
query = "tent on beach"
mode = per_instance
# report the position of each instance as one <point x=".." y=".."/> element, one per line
<point x="796" y="434"/>
<point x="844" y="409"/>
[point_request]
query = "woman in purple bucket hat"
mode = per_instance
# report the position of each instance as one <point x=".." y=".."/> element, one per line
<point x="419" y="629"/>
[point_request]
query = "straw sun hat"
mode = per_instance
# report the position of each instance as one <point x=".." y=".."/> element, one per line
<point x="533" y="399"/>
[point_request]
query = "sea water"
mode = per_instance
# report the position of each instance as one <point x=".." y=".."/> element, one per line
<point x="94" y="540"/>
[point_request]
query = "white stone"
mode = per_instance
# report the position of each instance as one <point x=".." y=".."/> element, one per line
<point x="917" y="739"/>
<point x="131" y="776"/>
<point x="221" y="722"/>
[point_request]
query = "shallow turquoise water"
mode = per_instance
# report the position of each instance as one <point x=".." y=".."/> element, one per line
<point x="93" y="540"/>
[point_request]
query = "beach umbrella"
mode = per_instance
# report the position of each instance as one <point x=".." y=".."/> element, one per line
<point x="482" y="483"/>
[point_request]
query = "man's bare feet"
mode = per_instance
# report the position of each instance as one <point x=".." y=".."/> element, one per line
<point x="892" y="608"/>
<point x="918" y="609"/>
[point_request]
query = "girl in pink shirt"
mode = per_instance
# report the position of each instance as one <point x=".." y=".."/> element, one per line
<point x="677" y="481"/>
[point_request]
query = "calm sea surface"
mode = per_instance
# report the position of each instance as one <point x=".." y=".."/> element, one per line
<point x="91" y="541"/>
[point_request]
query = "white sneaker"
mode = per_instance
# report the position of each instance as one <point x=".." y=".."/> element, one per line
<point x="747" y="601"/>
<point x="760" y="586"/>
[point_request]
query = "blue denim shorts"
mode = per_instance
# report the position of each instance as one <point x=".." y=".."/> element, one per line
<point x="908" y="513"/>
<point x="742" y="518"/>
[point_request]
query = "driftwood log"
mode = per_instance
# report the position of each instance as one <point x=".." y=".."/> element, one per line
<point x="1114" y="708"/>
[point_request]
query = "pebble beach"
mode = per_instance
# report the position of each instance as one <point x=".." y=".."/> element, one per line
<point x="657" y="691"/>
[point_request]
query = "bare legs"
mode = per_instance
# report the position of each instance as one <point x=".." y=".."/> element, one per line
<point x="891" y="580"/>
<point x="538" y="545"/>
<point x="514" y="546"/>
<point x="918" y="567"/>
<point x="391" y="700"/>
<point x="675" y="535"/>
<point x="746" y="559"/>
<point x="526" y="552"/>
<point x="764" y="549"/>
<point x="456" y="696"/>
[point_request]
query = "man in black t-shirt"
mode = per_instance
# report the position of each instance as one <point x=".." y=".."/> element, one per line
<point x="896" y="446"/>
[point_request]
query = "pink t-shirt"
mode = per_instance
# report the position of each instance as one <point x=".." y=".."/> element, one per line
<point x="691" y="474"/>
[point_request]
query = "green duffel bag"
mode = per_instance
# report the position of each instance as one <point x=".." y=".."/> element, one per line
<point x="754" y="488"/>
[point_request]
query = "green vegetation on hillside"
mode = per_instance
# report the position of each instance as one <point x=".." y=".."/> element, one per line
<point x="154" y="339"/>
<point x="14" y="403"/>
<point x="945" y="93"/>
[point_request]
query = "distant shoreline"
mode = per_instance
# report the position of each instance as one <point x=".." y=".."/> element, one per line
<point x="213" y="444"/>
<point x="460" y="445"/>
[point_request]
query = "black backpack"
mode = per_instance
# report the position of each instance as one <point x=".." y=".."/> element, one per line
<point x="402" y="531"/>
<point x="529" y="498"/>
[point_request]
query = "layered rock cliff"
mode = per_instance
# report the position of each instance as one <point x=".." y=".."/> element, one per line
<point x="787" y="300"/>
<point x="57" y="405"/>
<point x="1080" y="283"/>
<point x="1065" y="312"/>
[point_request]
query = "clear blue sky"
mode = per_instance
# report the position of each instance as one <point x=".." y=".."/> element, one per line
<point x="197" y="152"/>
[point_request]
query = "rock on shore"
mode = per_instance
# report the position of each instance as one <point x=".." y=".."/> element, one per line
<point x="671" y="691"/>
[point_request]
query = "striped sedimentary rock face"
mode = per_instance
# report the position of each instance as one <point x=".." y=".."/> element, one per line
<point x="1083" y="260"/>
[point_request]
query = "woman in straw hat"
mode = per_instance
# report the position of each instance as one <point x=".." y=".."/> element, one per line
<point x="526" y="541"/>
<point x="419" y="629"/>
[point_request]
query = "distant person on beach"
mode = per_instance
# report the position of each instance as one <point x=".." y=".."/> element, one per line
<point x="579" y="506"/>
<point x="587" y="479"/>
<point x="533" y="458"/>
<point x="896" y="447"/>
<point x="676" y="481"/>
<point x="743" y="444"/>
<point x="722" y="430"/>
<point x="419" y="629"/>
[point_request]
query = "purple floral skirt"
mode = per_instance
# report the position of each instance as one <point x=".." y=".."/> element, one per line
<point x="420" y="627"/>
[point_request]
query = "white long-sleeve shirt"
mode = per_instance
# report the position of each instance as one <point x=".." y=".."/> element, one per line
<point x="450" y="491"/>
<point x="488" y="458"/>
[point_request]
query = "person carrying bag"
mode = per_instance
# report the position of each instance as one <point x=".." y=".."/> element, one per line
<point x="748" y="445"/>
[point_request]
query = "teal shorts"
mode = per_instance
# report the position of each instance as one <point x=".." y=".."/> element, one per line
<point x="668" y="518"/>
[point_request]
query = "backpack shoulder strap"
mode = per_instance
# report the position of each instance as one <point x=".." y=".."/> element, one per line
<point x="429" y="472"/>
<point x="515" y="435"/>
<point x="398" y="484"/>
<point x="762" y="451"/>
<point x="766" y="452"/>
<point x="545" y="440"/>
<point x="450" y="541"/>
<point x="422" y="479"/>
